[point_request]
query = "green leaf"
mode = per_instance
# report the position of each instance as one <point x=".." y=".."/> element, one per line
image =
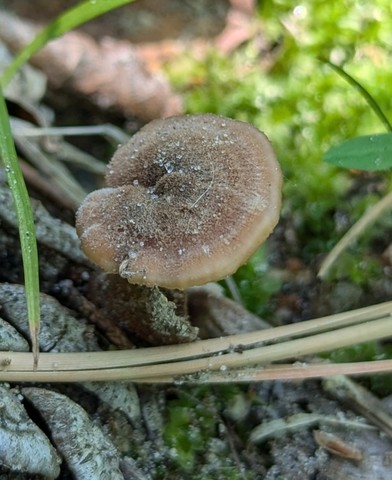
<point x="371" y="152"/>
<point x="69" y="20"/>
<point x="26" y="224"/>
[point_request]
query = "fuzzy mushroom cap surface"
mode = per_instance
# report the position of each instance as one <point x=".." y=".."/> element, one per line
<point x="189" y="200"/>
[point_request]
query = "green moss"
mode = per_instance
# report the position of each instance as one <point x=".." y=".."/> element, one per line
<point x="256" y="283"/>
<point x="379" y="384"/>
<point x="356" y="353"/>
<point x="357" y="268"/>
<point x="193" y="432"/>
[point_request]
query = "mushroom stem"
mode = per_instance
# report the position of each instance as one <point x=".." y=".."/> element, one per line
<point x="154" y="315"/>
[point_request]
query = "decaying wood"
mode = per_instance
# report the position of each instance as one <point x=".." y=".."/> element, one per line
<point x="216" y="315"/>
<point x="110" y="73"/>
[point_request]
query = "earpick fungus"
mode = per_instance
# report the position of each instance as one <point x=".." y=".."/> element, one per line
<point x="189" y="200"/>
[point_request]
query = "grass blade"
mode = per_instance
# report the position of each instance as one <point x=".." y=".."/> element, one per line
<point x="365" y="94"/>
<point x="26" y="224"/>
<point x="69" y="20"/>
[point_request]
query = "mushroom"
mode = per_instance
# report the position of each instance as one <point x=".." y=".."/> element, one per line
<point x="188" y="200"/>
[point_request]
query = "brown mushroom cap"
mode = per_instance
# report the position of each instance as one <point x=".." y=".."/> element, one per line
<point x="189" y="199"/>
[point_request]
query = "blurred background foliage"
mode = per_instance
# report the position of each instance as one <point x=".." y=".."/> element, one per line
<point x="280" y="82"/>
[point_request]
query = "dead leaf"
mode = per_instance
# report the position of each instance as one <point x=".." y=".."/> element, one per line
<point x="335" y="445"/>
<point x="24" y="447"/>
<point x="216" y="315"/>
<point x="86" y="450"/>
<point x="10" y="339"/>
<point x="60" y="331"/>
<point x="50" y="231"/>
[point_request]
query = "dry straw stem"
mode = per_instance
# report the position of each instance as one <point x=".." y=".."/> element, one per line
<point x="210" y="361"/>
<point x="361" y="400"/>
<point x="367" y="219"/>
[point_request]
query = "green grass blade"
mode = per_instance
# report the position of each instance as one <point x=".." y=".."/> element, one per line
<point x="26" y="224"/>
<point x="365" y="94"/>
<point x="69" y="20"/>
